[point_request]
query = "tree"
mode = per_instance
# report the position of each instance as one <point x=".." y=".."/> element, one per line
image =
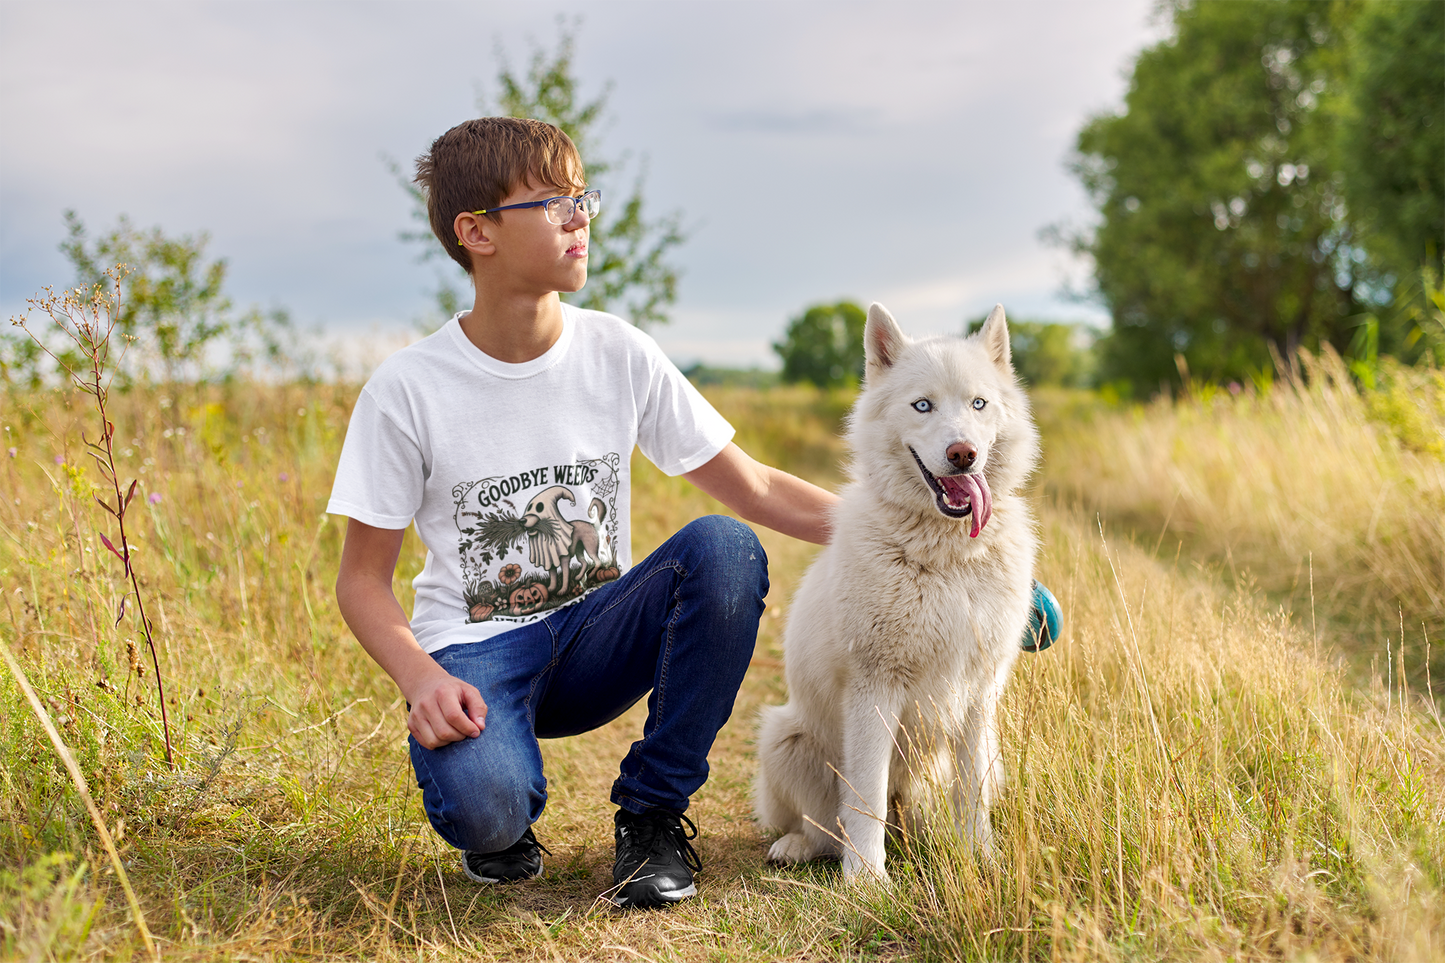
<point x="1223" y="228"/>
<point x="173" y="307"/>
<point x="824" y="345"/>
<point x="1392" y="132"/>
<point x="628" y="270"/>
<point x="175" y="320"/>
<point x="1047" y="352"/>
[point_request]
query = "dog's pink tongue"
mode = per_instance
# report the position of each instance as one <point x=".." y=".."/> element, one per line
<point x="970" y="490"/>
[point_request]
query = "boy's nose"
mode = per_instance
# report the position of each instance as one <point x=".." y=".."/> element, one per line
<point x="579" y="220"/>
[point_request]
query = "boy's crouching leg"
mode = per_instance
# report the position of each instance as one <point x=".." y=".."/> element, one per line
<point x="483" y="794"/>
<point x="720" y="578"/>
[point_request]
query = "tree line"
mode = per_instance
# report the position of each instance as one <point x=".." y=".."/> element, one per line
<point x="1275" y="180"/>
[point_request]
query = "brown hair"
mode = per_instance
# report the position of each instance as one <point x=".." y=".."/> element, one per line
<point x="477" y="163"/>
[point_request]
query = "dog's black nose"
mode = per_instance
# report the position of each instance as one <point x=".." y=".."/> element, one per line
<point x="962" y="454"/>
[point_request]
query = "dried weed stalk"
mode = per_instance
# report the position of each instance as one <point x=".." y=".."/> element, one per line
<point x="88" y="320"/>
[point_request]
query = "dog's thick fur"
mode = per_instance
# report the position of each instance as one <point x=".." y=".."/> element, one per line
<point x="904" y="630"/>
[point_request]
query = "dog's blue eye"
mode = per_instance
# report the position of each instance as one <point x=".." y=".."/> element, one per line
<point x="923" y="404"/>
<point x="978" y="404"/>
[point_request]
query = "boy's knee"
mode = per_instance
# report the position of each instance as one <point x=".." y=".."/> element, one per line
<point x="491" y="830"/>
<point x="730" y="558"/>
<point x="487" y="808"/>
<point x="494" y="816"/>
<point x="728" y="544"/>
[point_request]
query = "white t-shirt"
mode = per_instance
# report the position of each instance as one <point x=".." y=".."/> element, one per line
<point x="517" y="475"/>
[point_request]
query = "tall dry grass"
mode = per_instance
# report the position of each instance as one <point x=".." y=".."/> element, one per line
<point x="1330" y="498"/>
<point x="1188" y="778"/>
<point x="1191" y="781"/>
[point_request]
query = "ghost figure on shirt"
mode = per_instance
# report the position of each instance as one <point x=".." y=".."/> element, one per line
<point x="553" y="541"/>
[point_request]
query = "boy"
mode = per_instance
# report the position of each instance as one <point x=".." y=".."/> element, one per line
<point x="506" y="437"/>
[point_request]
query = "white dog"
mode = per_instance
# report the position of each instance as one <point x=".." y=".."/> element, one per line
<point x="905" y="628"/>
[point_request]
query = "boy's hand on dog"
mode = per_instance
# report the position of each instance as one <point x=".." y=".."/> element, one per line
<point x="445" y="709"/>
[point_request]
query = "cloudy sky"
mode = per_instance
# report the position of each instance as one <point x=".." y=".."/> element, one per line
<point x="907" y="153"/>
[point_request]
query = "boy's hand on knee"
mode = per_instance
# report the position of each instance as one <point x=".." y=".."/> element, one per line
<point x="445" y="709"/>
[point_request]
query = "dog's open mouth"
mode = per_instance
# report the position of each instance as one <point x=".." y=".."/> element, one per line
<point x="959" y="495"/>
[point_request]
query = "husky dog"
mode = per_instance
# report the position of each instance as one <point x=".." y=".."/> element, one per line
<point x="904" y="630"/>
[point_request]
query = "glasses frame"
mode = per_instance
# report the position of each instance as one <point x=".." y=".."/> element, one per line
<point x="576" y="203"/>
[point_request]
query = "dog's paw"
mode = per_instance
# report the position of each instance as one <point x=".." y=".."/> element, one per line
<point x="856" y="869"/>
<point x="792" y="848"/>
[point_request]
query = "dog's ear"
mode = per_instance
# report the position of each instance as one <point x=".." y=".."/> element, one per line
<point x="994" y="335"/>
<point x="883" y="340"/>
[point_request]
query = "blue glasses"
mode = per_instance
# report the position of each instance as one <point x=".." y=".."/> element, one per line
<point x="559" y="210"/>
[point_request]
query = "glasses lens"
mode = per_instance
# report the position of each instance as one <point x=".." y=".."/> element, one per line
<point x="592" y="202"/>
<point x="560" y="209"/>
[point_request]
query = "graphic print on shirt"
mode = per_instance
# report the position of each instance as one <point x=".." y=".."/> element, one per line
<point x="535" y="540"/>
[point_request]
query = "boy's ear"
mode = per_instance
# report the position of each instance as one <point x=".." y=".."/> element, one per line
<point x="475" y="233"/>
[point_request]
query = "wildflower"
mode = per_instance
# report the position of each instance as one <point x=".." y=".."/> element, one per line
<point x="509" y="574"/>
<point x="283" y="477"/>
<point x="60" y="459"/>
<point x="11" y="452"/>
<point x="154" y="498"/>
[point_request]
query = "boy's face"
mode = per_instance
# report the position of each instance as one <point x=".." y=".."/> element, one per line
<point x="530" y="253"/>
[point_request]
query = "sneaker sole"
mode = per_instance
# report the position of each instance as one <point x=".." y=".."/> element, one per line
<point x="650" y="897"/>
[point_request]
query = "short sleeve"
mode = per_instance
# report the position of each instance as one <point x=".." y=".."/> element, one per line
<point x="679" y="430"/>
<point x="381" y="474"/>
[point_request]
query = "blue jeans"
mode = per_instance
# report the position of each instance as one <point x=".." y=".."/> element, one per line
<point x="682" y="624"/>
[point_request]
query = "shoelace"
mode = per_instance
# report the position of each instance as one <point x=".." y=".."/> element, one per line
<point x="535" y="845"/>
<point x="669" y="824"/>
<point x="526" y="846"/>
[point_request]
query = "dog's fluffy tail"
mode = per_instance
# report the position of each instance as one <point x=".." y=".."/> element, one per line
<point x="793" y="776"/>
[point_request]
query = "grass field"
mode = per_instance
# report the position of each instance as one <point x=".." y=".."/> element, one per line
<point x="1229" y="755"/>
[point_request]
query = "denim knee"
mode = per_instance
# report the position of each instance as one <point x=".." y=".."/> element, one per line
<point x="730" y="561"/>
<point x="483" y="806"/>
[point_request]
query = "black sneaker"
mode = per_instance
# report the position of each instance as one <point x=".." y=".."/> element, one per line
<point x="519" y="861"/>
<point x="655" y="861"/>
